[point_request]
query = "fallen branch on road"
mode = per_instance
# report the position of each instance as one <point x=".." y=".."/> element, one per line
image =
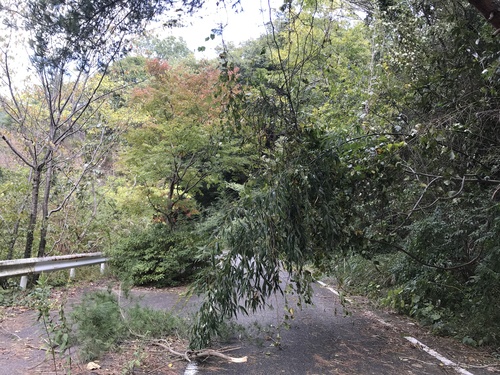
<point x="190" y="355"/>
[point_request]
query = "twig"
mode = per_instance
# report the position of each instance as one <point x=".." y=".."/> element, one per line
<point x="169" y="348"/>
<point x="35" y="366"/>
<point x="417" y="360"/>
<point x="211" y="352"/>
<point x="190" y="355"/>
<point x="10" y="333"/>
<point x="424" y="263"/>
<point x="493" y="196"/>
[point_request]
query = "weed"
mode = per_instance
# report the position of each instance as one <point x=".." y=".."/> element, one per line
<point x="57" y="328"/>
<point x="100" y="325"/>
<point x="136" y="361"/>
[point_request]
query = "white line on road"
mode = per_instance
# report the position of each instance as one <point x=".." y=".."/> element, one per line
<point x="413" y="340"/>
<point x="435" y="354"/>
<point x="191" y="369"/>
<point x="332" y="290"/>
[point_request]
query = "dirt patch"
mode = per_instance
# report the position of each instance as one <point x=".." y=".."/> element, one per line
<point x="139" y="358"/>
<point x="19" y="341"/>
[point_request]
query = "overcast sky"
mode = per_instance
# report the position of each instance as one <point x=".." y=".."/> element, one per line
<point x="239" y="26"/>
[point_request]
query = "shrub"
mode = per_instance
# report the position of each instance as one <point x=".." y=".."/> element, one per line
<point x="155" y="323"/>
<point x="457" y="301"/>
<point x="157" y="256"/>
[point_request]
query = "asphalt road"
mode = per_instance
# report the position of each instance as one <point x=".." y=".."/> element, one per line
<point x="320" y="339"/>
<point x="327" y="339"/>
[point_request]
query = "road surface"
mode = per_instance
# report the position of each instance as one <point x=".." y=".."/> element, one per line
<point x="320" y="339"/>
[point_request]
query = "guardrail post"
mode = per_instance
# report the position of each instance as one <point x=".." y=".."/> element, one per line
<point x="72" y="273"/>
<point x="24" y="282"/>
<point x="103" y="267"/>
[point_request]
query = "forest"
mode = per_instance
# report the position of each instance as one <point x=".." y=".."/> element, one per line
<point x="354" y="139"/>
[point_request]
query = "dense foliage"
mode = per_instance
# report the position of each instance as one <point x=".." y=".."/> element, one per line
<point x="414" y="171"/>
<point x="446" y="216"/>
<point x="157" y="256"/>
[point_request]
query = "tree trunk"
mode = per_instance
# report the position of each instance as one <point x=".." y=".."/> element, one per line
<point x="45" y="211"/>
<point x="490" y="10"/>
<point x="12" y="243"/>
<point x="15" y="231"/>
<point x="30" y="234"/>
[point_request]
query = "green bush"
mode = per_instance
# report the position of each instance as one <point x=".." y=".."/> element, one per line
<point x="144" y="321"/>
<point x="463" y="301"/>
<point x="157" y="256"/>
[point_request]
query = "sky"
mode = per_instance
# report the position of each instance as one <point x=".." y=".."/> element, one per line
<point x="239" y="25"/>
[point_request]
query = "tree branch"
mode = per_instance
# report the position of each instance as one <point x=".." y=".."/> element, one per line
<point x="424" y="263"/>
<point x="490" y="10"/>
<point x="190" y="355"/>
<point x="18" y="153"/>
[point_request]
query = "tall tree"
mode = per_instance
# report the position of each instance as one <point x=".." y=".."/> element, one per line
<point x="433" y="127"/>
<point x="401" y="158"/>
<point x="170" y="48"/>
<point x="70" y="47"/>
<point x="178" y="148"/>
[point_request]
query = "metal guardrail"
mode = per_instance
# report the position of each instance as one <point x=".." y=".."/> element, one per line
<point x="27" y="266"/>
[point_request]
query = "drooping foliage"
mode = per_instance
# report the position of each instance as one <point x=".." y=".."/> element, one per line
<point x="295" y="210"/>
<point x="270" y="231"/>
<point x="409" y="110"/>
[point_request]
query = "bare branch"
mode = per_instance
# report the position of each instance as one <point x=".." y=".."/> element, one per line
<point x="424" y="263"/>
<point x="76" y="184"/>
<point x="191" y="355"/>
<point x="18" y="153"/>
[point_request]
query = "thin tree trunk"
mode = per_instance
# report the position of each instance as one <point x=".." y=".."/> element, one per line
<point x="12" y="244"/>
<point x="45" y="211"/>
<point x="35" y="191"/>
<point x="15" y="230"/>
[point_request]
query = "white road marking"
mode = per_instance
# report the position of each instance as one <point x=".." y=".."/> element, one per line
<point x="435" y="354"/>
<point x="332" y="290"/>
<point x="191" y="369"/>
<point x="413" y="340"/>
